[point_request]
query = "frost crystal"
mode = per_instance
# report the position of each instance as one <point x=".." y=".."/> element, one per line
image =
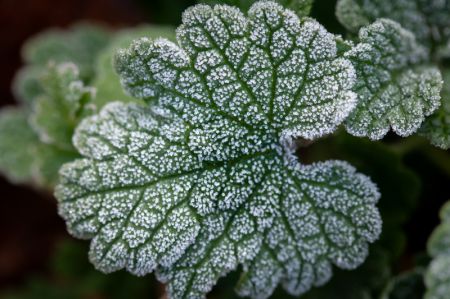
<point x="427" y="19"/>
<point x="204" y="179"/>
<point x="437" y="126"/>
<point x="395" y="88"/>
<point x="437" y="277"/>
<point x="301" y="7"/>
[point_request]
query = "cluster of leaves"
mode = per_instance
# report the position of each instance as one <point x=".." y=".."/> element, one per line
<point x="197" y="172"/>
<point x="393" y="92"/>
<point x="68" y="74"/>
<point x="71" y="276"/>
<point x="437" y="277"/>
<point x="35" y="137"/>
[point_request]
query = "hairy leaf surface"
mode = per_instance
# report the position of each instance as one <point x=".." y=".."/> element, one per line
<point x="427" y="19"/>
<point x="204" y="179"/>
<point x="437" y="127"/>
<point x="437" y="277"/>
<point x="395" y="88"/>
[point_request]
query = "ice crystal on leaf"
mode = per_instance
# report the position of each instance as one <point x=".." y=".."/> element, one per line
<point x="428" y="20"/>
<point x="106" y="81"/>
<point x="204" y="178"/>
<point x="301" y="7"/>
<point x="437" y="277"/>
<point x="395" y="87"/>
<point x="437" y="126"/>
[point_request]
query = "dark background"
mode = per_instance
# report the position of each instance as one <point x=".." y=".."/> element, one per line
<point x="30" y="228"/>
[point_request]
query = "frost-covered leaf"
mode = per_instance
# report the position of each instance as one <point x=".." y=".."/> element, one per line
<point x="17" y="145"/>
<point x="269" y="71"/>
<point x="399" y="185"/>
<point x="301" y="7"/>
<point x="79" y="45"/>
<point x="61" y="105"/>
<point x="395" y="88"/>
<point x="107" y="82"/>
<point x="147" y="199"/>
<point x="437" y="277"/>
<point x="204" y="179"/>
<point x="437" y="127"/>
<point x="427" y="19"/>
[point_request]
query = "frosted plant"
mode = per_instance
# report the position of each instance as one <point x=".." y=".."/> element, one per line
<point x="427" y="19"/>
<point x="43" y="132"/>
<point x="79" y="45"/>
<point x="437" y="277"/>
<point x="64" y="101"/>
<point x="204" y="178"/>
<point x="106" y="81"/>
<point x="430" y="23"/>
<point x="301" y="7"/>
<point x="437" y="127"/>
<point x="395" y="87"/>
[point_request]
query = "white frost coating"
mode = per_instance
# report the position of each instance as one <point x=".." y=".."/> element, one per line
<point x="147" y="200"/>
<point x="265" y="76"/>
<point x="395" y="89"/>
<point x="437" y="276"/>
<point x="437" y="126"/>
<point x="201" y="181"/>
<point x="427" y="19"/>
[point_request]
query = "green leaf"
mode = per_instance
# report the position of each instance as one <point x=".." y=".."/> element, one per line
<point x="437" y="127"/>
<point x="205" y="178"/>
<point x="437" y="276"/>
<point x="395" y="88"/>
<point x="107" y="81"/>
<point x="17" y="145"/>
<point x="301" y="7"/>
<point x="406" y="286"/>
<point x="60" y="107"/>
<point x="146" y="199"/>
<point x="427" y="19"/>
<point x="79" y="45"/>
<point x="26" y="84"/>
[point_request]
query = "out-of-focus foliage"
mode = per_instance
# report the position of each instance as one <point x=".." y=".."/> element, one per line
<point x="71" y="276"/>
<point x="79" y="45"/>
<point x="437" y="276"/>
<point x="36" y="137"/>
<point x="405" y="286"/>
<point x="17" y="145"/>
